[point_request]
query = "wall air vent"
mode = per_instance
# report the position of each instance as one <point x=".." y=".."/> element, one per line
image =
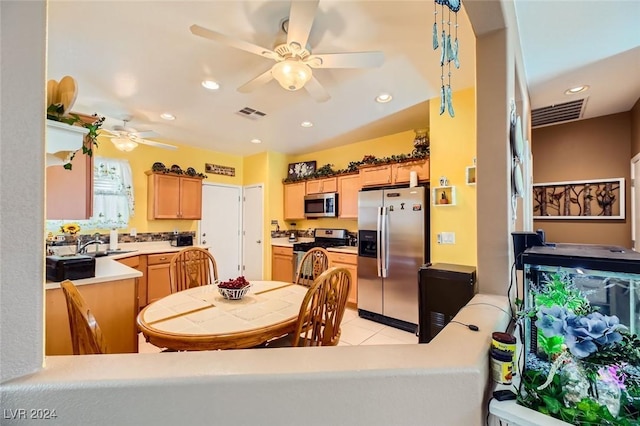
<point x="251" y="113"/>
<point x="559" y="113"/>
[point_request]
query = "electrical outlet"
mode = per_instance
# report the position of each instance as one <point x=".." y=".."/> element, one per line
<point x="133" y="232"/>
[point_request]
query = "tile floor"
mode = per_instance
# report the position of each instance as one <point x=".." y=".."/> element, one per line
<point x="355" y="331"/>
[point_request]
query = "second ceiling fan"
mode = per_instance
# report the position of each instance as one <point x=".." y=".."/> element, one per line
<point x="294" y="61"/>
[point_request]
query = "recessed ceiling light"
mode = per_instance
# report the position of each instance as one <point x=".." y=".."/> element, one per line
<point x="306" y="124"/>
<point x="210" y="84"/>
<point x="577" y="89"/>
<point x="383" y="98"/>
<point x="256" y="141"/>
<point x="167" y="116"/>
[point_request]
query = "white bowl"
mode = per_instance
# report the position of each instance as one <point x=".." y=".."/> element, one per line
<point x="234" y="293"/>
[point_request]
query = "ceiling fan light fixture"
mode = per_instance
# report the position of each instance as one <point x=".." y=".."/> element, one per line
<point x="306" y="124"/>
<point x="291" y="74"/>
<point x="167" y="116"/>
<point x="124" y="144"/>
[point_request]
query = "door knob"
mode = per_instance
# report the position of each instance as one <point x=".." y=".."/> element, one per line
<point x="259" y="241"/>
<point x="204" y="241"/>
<point x="204" y="234"/>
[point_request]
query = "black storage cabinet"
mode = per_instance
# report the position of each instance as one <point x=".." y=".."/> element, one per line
<point x="443" y="290"/>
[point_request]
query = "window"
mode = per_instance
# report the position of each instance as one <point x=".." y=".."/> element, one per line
<point x="113" y="202"/>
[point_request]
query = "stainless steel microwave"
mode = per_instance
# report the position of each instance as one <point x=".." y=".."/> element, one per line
<point x="321" y="205"/>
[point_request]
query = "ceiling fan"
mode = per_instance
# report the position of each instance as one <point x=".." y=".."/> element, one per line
<point x="294" y="60"/>
<point x="127" y="138"/>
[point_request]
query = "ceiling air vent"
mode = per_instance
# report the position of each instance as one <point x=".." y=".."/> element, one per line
<point x="251" y="113"/>
<point x="559" y="113"/>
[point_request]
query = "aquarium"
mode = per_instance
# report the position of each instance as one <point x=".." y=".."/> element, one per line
<point x="579" y="319"/>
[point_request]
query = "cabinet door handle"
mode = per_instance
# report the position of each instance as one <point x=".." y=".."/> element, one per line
<point x="163" y="258"/>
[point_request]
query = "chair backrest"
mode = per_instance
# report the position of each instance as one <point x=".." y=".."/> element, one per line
<point x="322" y="309"/>
<point x="313" y="263"/>
<point x="86" y="336"/>
<point x="192" y="267"/>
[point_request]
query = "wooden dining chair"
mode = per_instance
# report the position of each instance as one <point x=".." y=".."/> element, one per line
<point x="192" y="267"/>
<point x="86" y="336"/>
<point x="313" y="263"/>
<point x="321" y="312"/>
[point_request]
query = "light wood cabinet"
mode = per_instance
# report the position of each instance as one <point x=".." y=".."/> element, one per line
<point x="140" y="264"/>
<point x="158" y="280"/>
<point x="392" y="174"/>
<point x="69" y="193"/>
<point x="322" y="186"/>
<point x="173" y="197"/>
<point x="294" y="200"/>
<point x="114" y="305"/>
<point x="349" y="262"/>
<point x="375" y="175"/>
<point x="282" y="264"/>
<point x="401" y="172"/>
<point x="348" y="187"/>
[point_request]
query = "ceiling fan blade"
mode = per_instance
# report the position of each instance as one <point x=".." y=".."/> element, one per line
<point x="346" y="60"/>
<point x="109" y="132"/>
<point x="144" y="134"/>
<point x="251" y="85"/>
<point x="154" y="143"/>
<point x="301" y="18"/>
<point x="316" y="90"/>
<point x="233" y="42"/>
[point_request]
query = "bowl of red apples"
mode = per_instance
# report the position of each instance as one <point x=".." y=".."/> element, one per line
<point x="234" y="289"/>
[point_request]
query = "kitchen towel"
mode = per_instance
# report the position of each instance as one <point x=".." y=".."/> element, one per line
<point x="413" y="179"/>
<point x="113" y="239"/>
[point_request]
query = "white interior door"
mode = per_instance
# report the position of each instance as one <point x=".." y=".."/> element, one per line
<point x="252" y="242"/>
<point x="220" y="227"/>
<point x="635" y="202"/>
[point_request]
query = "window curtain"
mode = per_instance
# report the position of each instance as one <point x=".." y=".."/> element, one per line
<point x="113" y="201"/>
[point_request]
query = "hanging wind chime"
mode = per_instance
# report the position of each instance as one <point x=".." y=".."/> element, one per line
<point x="449" y="49"/>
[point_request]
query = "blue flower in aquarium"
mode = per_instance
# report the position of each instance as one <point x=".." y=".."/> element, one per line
<point x="582" y="333"/>
<point x="551" y="321"/>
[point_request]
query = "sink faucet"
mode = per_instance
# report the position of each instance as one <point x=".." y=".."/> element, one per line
<point x="82" y="248"/>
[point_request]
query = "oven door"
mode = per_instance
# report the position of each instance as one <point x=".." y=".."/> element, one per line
<point x="321" y="205"/>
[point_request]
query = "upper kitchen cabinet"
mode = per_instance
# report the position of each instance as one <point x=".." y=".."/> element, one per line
<point x="294" y="200"/>
<point x="322" y="186"/>
<point x="173" y="196"/>
<point x="392" y="174"/>
<point x="375" y="175"/>
<point x="348" y="187"/>
<point x="402" y="171"/>
<point x="69" y="193"/>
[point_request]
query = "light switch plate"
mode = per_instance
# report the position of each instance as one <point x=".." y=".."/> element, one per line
<point x="133" y="232"/>
<point x="448" y="238"/>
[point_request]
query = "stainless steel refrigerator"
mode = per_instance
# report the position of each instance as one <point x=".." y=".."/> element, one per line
<point x="393" y="243"/>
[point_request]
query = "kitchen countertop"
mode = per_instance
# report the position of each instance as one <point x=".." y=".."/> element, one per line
<point x="344" y="249"/>
<point x="108" y="269"/>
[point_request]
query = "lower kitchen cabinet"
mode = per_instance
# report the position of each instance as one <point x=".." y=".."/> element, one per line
<point x="158" y="280"/>
<point x="139" y="263"/>
<point x="282" y="264"/>
<point x="115" y="307"/>
<point x="349" y="262"/>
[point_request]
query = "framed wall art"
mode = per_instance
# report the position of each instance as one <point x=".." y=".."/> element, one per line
<point x="584" y="199"/>
<point x="301" y="169"/>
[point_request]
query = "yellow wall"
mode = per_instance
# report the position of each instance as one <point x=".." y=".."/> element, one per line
<point x="142" y="158"/>
<point x="453" y="147"/>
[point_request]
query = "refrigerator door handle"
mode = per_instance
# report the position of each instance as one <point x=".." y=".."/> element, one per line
<point x="385" y="242"/>
<point x="378" y="243"/>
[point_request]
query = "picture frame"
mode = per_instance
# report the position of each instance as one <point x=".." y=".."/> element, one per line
<point x="301" y="169"/>
<point x="580" y="199"/>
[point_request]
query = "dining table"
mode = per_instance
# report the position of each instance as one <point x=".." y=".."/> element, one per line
<point x="200" y="318"/>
